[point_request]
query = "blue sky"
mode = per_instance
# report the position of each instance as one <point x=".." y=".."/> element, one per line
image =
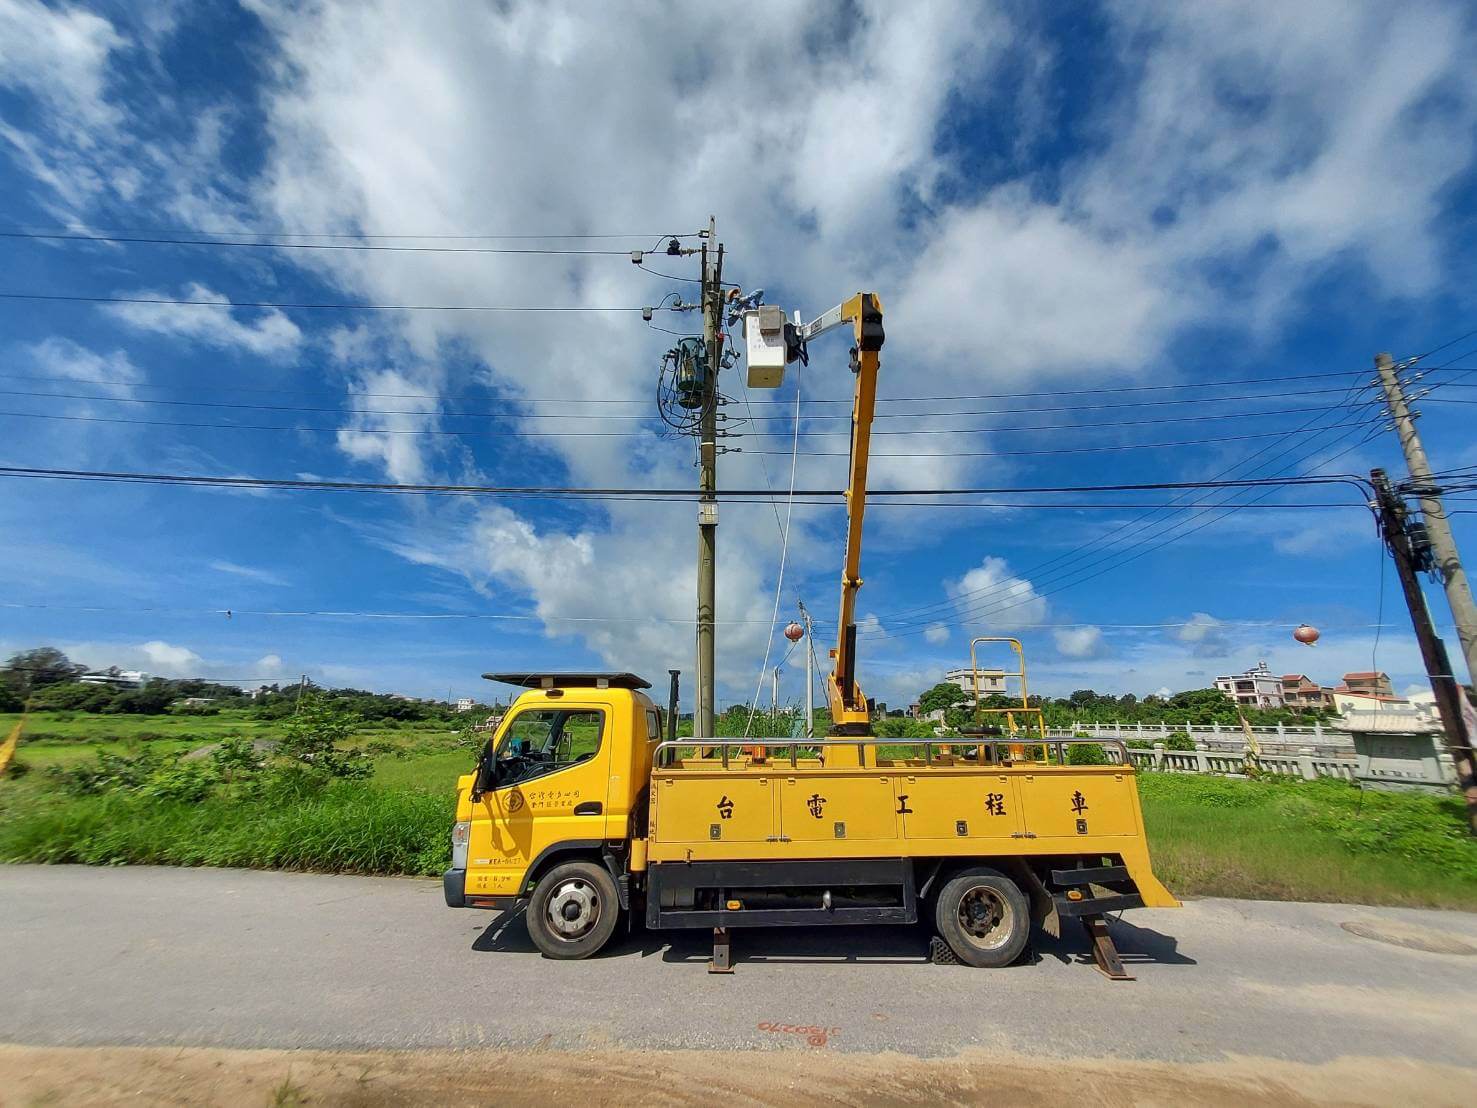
<point x="1047" y="201"/>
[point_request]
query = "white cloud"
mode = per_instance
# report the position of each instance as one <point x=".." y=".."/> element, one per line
<point x="1080" y="642"/>
<point x="388" y="435"/>
<point x="250" y="573"/>
<point x="1325" y="535"/>
<point x="169" y="660"/>
<point x="990" y="594"/>
<point x="270" y="334"/>
<point x="67" y="360"/>
<point x="1199" y="627"/>
<point x="937" y="633"/>
<point x="1205" y="633"/>
<point x="268" y="665"/>
<point x="60" y="56"/>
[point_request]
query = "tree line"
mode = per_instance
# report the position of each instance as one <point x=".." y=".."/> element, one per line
<point x="45" y="679"/>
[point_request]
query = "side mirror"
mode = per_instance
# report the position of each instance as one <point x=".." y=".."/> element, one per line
<point x="486" y="774"/>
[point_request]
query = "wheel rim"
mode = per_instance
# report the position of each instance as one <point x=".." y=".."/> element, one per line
<point x="574" y="910"/>
<point x="986" y="918"/>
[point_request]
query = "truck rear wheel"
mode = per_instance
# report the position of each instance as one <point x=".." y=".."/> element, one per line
<point x="984" y="917"/>
<point x="573" y="911"/>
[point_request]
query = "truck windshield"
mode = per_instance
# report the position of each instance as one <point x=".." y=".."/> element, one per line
<point x="545" y="740"/>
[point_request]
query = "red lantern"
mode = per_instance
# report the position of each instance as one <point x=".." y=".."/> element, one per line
<point x="794" y="632"/>
<point x="1305" y="634"/>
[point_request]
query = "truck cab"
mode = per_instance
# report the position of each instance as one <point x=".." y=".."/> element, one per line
<point x="562" y="782"/>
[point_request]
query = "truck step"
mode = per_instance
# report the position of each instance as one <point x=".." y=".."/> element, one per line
<point x="1097" y="875"/>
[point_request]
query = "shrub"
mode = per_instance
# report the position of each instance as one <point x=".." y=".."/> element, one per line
<point x="312" y="739"/>
<point x="1086" y="754"/>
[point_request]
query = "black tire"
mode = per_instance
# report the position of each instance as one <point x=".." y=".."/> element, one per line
<point x="984" y="917"/>
<point x="573" y="911"/>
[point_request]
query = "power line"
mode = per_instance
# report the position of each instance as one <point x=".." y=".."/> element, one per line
<point x="616" y="493"/>
<point x="1157" y="533"/>
<point x="286" y="234"/>
<point x="193" y="385"/>
<point x="519" y="617"/>
<point x="277" y="245"/>
<point x="1158" y="542"/>
<point x="1068" y="449"/>
<point x="238" y="406"/>
<point x="482" y="432"/>
<point x="1062" y="561"/>
<point x="57" y="297"/>
<point x="233" y="613"/>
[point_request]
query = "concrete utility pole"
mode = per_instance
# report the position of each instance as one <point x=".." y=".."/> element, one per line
<point x="1449" y="694"/>
<point x="707" y="509"/>
<point x="1433" y="512"/>
<point x="809" y="674"/>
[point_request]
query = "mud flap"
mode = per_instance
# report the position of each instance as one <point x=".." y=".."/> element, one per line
<point x="1043" y="907"/>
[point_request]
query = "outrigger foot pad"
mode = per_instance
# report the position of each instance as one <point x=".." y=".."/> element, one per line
<point x="722" y="952"/>
<point x="1104" y="953"/>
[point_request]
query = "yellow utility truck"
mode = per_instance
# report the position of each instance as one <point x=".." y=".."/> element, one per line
<point x="582" y="811"/>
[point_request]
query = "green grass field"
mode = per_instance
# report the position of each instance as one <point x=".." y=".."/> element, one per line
<point x="1294" y="840"/>
<point x="1208" y="836"/>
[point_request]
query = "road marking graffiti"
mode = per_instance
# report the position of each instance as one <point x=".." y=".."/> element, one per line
<point x="814" y="1036"/>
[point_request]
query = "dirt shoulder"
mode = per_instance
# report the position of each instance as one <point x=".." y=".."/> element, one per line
<point x="802" y="1075"/>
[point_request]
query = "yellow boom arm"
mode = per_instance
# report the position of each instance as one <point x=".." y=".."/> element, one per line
<point x="849" y="714"/>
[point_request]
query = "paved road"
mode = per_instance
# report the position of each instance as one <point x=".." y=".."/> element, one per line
<point x="236" y="958"/>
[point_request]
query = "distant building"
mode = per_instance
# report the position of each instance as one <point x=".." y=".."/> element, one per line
<point x="195" y="701"/>
<point x="1367" y="684"/>
<point x="1347" y="702"/>
<point x="116" y="678"/>
<point x="1256" y="688"/>
<point x="991" y="682"/>
<point x="1424" y="704"/>
<point x="1299" y="691"/>
<point x="465" y="704"/>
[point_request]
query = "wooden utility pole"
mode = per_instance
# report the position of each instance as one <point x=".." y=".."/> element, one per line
<point x="1449" y="694"/>
<point x="1433" y="514"/>
<point x="707" y="518"/>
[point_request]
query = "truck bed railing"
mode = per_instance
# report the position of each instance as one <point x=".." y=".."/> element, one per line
<point x="665" y="752"/>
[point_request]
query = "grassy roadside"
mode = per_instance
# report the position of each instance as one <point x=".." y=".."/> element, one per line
<point x="349" y="827"/>
<point x="1315" y="840"/>
<point x="1209" y="836"/>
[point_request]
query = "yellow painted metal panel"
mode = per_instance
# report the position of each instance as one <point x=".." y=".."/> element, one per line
<point x="938" y="805"/>
<point x="739" y="805"/>
<point x="1079" y="804"/>
<point x="813" y="805"/>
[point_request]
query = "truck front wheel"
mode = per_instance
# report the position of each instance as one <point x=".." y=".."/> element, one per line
<point x="984" y="917"/>
<point x="573" y="911"/>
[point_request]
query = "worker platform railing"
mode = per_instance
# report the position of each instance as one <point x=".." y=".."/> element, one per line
<point x="718" y="750"/>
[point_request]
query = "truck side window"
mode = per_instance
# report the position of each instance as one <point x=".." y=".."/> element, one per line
<point x="653" y="725"/>
<point x="541" y="741"/>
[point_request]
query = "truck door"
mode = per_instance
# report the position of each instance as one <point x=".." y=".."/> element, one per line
<point x="552" y="777"/>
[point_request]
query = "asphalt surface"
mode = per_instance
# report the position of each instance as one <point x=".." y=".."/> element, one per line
<point x="141" y="956"/>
